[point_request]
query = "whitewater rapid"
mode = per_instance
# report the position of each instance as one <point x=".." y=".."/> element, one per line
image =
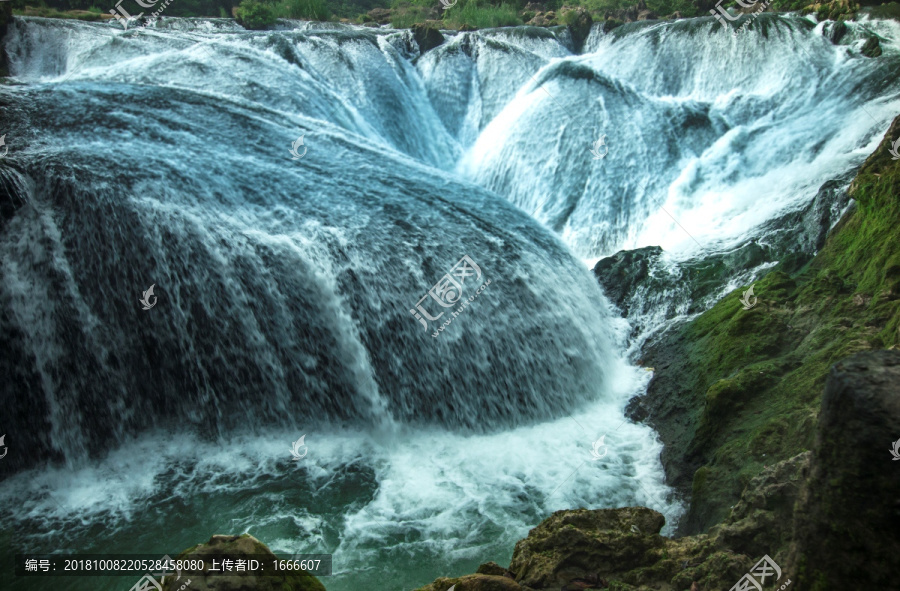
<point x="162" y="156"/>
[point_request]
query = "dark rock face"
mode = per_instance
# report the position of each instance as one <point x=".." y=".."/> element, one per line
<point x="872" y="48"/>
<point x="580" y="27"/>
<point x="426" y="37"/>
<point x="847" y="528"/>
<point x="5" y="18"/>
<point x="761" y="522"/>
<point x="621" y="273"/>
<point x="836" y="32"/>
<point x="637" y="282"/>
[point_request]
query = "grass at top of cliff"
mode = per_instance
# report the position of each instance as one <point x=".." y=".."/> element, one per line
<point x="762" y="371"/>
<point x="480" y="14"/>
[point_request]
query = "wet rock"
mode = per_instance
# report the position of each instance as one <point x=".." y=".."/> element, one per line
<point x="610" y="24"/>
<point x="872" y="47"/>
<point x="847" y="527"/>
<point x="836" y="32"/>
<point x="579" y="25"/>
<point x="219" y="547"/>
<point x="621" y="273"/>
<point x="426" y="37"/>
<point x="647" y="15"/>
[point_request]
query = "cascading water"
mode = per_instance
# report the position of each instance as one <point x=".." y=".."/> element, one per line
<point x="161" y="156"/>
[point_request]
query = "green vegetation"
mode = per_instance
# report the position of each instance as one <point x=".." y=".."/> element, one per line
<point x="481" y="14"/>
<point x="465" y="14"/>
<point x="756" y="376"/>
<point x="313" y="10"/>
<point x="252" y="14"/>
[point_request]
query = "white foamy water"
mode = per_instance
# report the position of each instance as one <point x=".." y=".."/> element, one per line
<point x="411" y="503"/>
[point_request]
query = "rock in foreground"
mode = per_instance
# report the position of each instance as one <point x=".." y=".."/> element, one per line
<point x="219" y="547"/>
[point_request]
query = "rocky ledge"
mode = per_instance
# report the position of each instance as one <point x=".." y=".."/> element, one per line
<point x="829" y="517"/>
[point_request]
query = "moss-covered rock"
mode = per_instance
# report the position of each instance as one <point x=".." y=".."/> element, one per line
<point x="581" y="544"/>
<point x="847" y="528"/>
<point x="872" y="47"/>
<point x="427" y="37"/>
<point x="219" y="547"/>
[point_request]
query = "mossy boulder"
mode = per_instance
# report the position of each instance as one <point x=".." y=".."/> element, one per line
<point x="872" y="47"/>
<point x="847" y="529"/>
<point x="427" y="37"/>
<point x="579" y="22"/>
<point x="586" y="544"/>
<point x="219" y="547"/>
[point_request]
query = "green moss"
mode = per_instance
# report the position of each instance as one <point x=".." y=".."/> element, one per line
<point x="761" y="371"/>
<point x="252" y="14"/>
